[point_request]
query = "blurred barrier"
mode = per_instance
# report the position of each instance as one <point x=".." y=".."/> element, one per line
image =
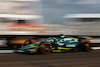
<point x="95" y="40"/>
<point x="22" y="27"/>
<point x="21" y="40"/>
<point x="49" y="29"/>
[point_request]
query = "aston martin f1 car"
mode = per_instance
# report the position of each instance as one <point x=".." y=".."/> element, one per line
<point x="57" y="44"/>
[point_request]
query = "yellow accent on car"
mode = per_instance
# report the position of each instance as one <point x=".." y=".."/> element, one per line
<point x="89" y="38"/>
<point x="63" y="48"/>
<point x="56" y="50"/>
<point x="50" y="46"/>
<point x="74" y="38"/>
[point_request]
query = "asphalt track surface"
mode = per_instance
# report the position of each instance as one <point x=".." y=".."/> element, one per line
<point x="72" y="59"/>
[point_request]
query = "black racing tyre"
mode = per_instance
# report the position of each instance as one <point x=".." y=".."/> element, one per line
<point x="86" y="46"/>
<point x="27" y="42"/>
<point x="45" y="48"/>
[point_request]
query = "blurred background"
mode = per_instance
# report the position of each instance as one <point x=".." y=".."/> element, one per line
<point x="38" y="20"/>
<point x="70" y="17"/>
<point x="81" y="17"/>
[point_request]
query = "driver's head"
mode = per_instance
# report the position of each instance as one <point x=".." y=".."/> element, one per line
<point x="62" y="36"/>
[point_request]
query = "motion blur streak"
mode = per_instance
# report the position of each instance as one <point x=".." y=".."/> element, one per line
<point x="74" y="59"/>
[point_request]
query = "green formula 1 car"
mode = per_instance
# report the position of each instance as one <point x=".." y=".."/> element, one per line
<point x="57" y="44"/>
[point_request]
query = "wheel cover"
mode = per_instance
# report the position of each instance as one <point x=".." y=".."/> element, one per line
<point x="45" y="48"/>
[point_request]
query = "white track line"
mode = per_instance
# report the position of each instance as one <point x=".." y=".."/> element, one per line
<point x="95" y="48"/>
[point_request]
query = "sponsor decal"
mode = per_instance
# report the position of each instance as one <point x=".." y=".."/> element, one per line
<point x="67" y="39"/>
<point x="31" y="50"/>
<point x="61" y="44"/>
<point x="70" y="45"/>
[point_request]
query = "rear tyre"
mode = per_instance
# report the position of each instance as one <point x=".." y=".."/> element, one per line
<point x="45" y="48"/>
<point x="86" y="46"/>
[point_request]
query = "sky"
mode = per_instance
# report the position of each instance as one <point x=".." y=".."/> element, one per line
<point x="54" y="10"/>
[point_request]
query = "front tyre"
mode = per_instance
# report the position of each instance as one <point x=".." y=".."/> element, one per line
<point x="27" y="42"/>
<point x="45" y="48"/>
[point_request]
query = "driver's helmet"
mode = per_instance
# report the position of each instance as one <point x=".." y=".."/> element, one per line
<point x="62" y="36"/>
<point x="55" y="39"/>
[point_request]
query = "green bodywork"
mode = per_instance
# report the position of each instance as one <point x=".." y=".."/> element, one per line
<point x="58" y="44"/>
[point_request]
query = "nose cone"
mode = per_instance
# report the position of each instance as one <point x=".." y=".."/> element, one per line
<point x="25" y="47"/>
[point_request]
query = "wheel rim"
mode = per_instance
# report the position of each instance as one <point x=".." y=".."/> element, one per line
<point x="45" y="48"/>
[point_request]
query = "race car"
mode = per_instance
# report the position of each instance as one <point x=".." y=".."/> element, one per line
<point x="57" y="44"/>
